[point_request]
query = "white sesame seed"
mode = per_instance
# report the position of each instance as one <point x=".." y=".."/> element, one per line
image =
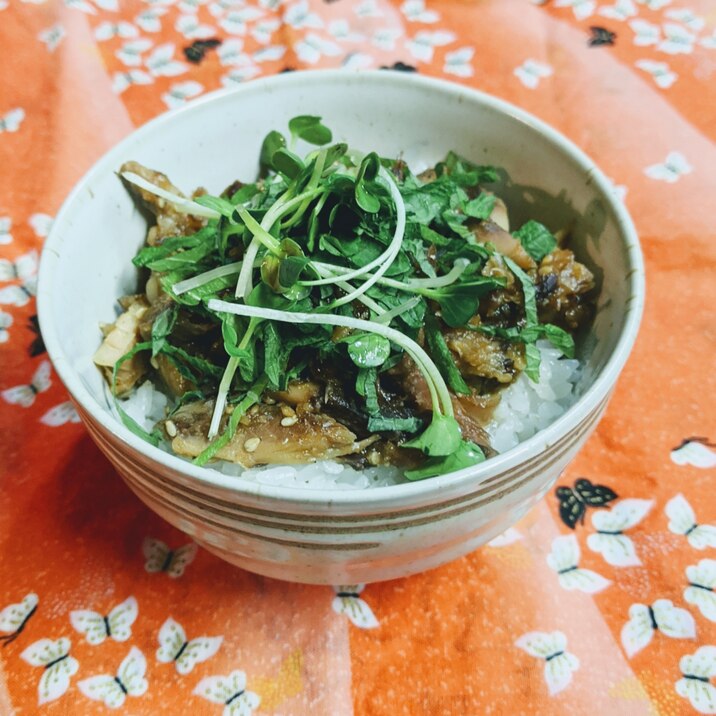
<point x="288" y="421"/>
<point x="251" y="444"/>
<point x="171" y="428"/>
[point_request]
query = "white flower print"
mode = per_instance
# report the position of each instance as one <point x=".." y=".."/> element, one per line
<point x="40" y="223"/>
<point x="123" y="80"/>
<point x="229" y="691"/>
<point x="340" y="29"/>
<point x="5" y="323"/>
<point x="231" y="53"/>
<point x="686" y="17"/>
<point x="108" y="30"/>
<point x="357" y="61"/>
<point x="660" y="71"/>
<point x="112" y="690"/>
<point x="422" y="45"/>
<point x="696" y="670"/>
<point x="52" y="36"/>
<point x="559" y="664"/>
<point x="236" y="22"/>
<point x="582" y="9"/>
<point x="531" y="72"/>
<point x="368" y="8"/>
<point x="131" y="52"/>
<point x="5" y="226"/>
<point x="179" y="93"/>
<point x="654" y="4"/>
<point x="192" y="29"/>
<point x="564" y="560"/>
<point x="620" y="191"/>
<point x="60" y="415"/>
<point x="621" y="10"/>
<point x="298" y="16"/>
<point x="175" y="647"/>
<point x="58" y="667"/>
<point x="674" y="167"/>
<point x="645" y="621"/>
<point x="218" y="9"/>
<point x="682" y="521"/>
<point x="348" y="601"/>
<point x="191" y="7"/>
<point x="240" y="74"/>
<point x="269" y="54"/>
<point x="700" y="590"/>
<point x="610" y="540"/>
<point x="312" y="47"/>
<point x="414" y="10"/>
<point x="709" y="41"/>
<point x="162" y="63"/>
<point x="384" y="38"/>
<point x="645" y="33"/>
<point x="149" y="20"/>
<point x="263" y="30"/>
<point x="458" y="62"/>
<point x="677" y="40"/>
<point x="11" y="121"/>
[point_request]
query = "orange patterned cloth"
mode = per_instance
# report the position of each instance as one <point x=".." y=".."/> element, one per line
<point x="614" y="616"/>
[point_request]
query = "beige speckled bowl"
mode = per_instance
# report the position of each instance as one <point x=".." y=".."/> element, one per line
<point x="350" y="536"/>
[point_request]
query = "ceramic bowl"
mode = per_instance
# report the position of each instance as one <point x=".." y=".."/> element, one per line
<point x="352" y="536"/>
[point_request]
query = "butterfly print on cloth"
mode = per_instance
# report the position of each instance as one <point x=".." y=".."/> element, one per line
<point x="564" y="560"/>
<point x="609" y="539"/>
<point x="159" y="558"/>
<point x="24" y="395"/>
<point x="695" y="451"/>
<point x="696" y="671"/>
<point x="682" y="521"/>
<point x="111" y="690"/>
<point x="6" y="320"/>
<point x="348" y="601"/>
<point x="661" y="616"/>
<point x="559" y="664"/>
<point x="116" y="625"/>
<point x="196" y="52"/>
<point x="230" y="691"/>
<point x="574" y="501"/>
<point x="700" y="590"/>
<point x="14" y="617"/>
<point x="61" y="414"/>
<point x="59" y="667"/>
<point x="175" y="647"/>
<point x="600" y="36"/>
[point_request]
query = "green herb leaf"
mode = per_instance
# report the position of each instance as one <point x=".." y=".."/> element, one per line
<point x="443" y="358"/>
<point x="480" y="207"/>
<point x="217" y="203"/>
<point x="367" y="350"/>
<point x="559" y="338"/>
<point x="381" y="423"/>
<point x="466" y="455"/>
<point x="528" y="290"/>
<point x="536" y="239"/>
<point x="365" y="194"/>
<point x="161" y="328"/>
<point x="271" y="144"/>
<point x="288" y="163"/>
<point x="532" y="360"/>
<point x="442" y="437"/>
<point x="310" y="129"/>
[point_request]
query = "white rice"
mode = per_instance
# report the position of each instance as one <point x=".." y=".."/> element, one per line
<point x="525" y="408"/>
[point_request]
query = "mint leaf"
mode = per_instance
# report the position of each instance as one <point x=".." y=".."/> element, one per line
<point x="466" y="455"/>
<point x="480" y="207"/>
<point x="536" y="239"/>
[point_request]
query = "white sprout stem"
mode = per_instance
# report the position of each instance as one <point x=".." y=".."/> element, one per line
<point x="441" y="281"/>
<point x="393" y="248"/>
<point x="182" y="204"/>
<point x="388" y="256"/>
<point x="422" y="359"/>
<point x="388" y="316"/>
<point x="365" y="300"/>
<point x="196" y="281"/>
<point x="221" y="396"/>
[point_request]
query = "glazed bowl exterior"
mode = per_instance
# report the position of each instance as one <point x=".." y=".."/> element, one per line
<point x="341" y="536"/>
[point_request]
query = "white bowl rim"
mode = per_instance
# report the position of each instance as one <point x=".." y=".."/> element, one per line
<point x="376" y="497"/>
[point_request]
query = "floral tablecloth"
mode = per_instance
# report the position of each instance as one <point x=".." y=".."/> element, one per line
<point x="612" y="615"/>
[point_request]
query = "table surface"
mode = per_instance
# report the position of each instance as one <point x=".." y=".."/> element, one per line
<point x="497" y="632"/>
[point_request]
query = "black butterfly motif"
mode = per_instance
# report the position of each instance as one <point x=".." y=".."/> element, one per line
<point x="197" y="50"/>
<point x="287" y="69"/>
<point x="37" y="347"/>
<point x="573" y="502"/>
<point x="400" y="66"/>
<point x="695" y="439"/>
<point x="601" y="36"/>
